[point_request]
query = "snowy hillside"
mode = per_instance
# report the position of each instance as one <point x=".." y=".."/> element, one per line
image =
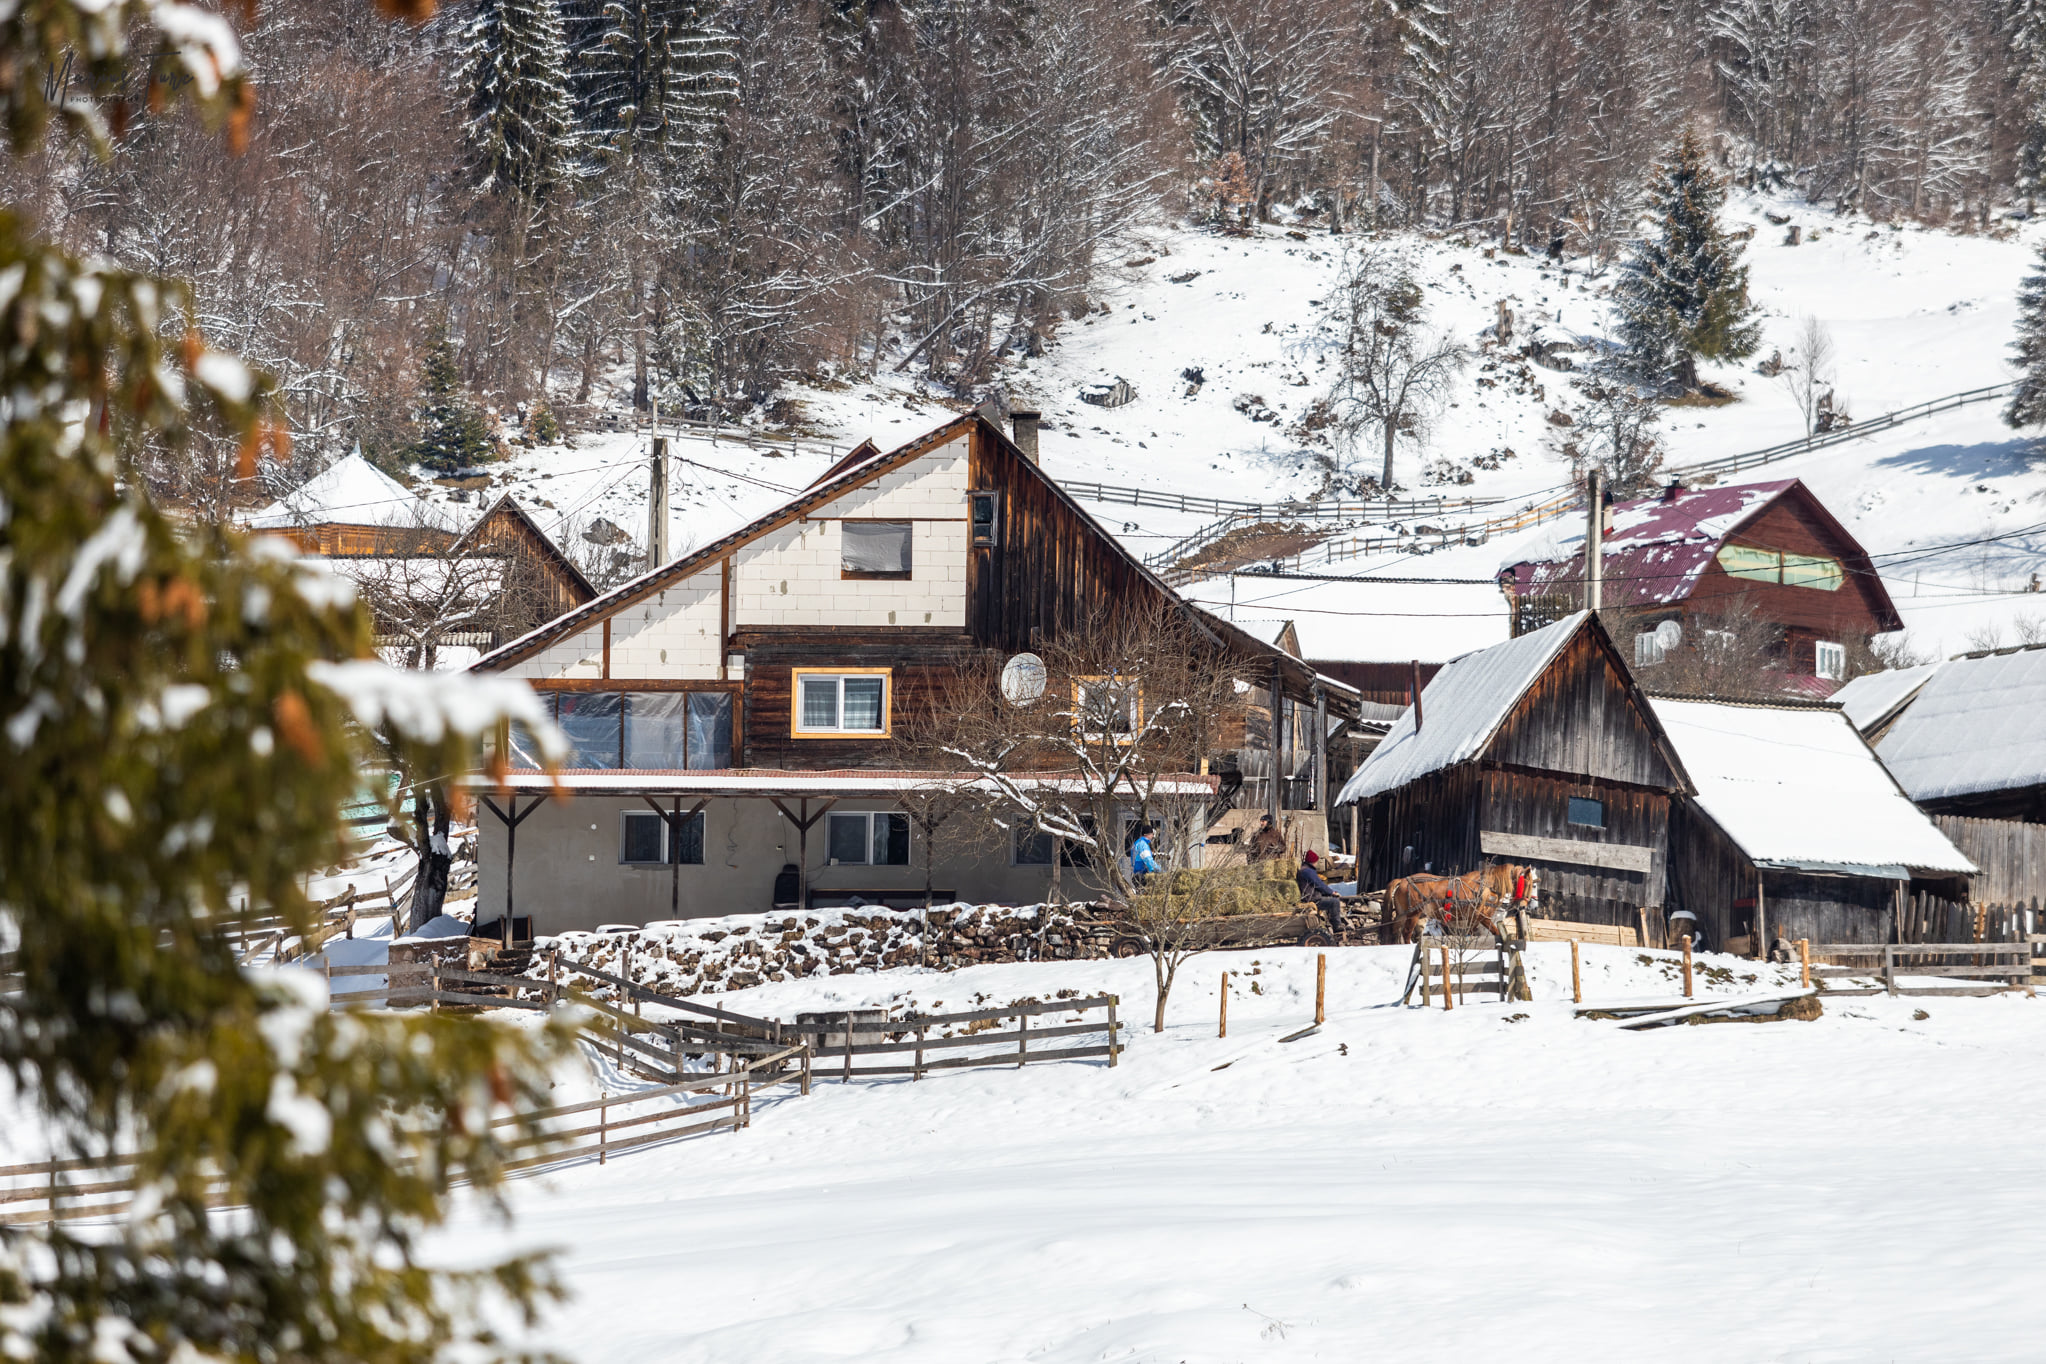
<point x="1914" y="315"/>
<point x="1501" y="1181"/>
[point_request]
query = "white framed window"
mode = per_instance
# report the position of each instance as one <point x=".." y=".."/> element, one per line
<point x="1648" y="649"/>
<point x="1106" y="708"/>
<point x="1830" y="660"/>
<point x="867" y="839"/>
<point x="832" y="705"/>
<point x="643" y="840"/>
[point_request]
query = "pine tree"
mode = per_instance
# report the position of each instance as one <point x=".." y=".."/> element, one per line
<point x="451" y="431"/>
<point x="2028" y="64"/>
<point x="2028" y="399"/>
<point x="514" y="77"/>
<point x="650" y="75"/>
<point x="1683" y="295"/>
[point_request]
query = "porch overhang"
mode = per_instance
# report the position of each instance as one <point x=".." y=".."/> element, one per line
<point x="765" y="783"/>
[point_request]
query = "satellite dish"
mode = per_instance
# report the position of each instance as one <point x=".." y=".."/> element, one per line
<point x="1669" y="634"/>
<point x="1023" y="679"/>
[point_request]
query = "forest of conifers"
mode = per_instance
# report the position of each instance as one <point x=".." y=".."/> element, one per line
<point x="710" y="198"/>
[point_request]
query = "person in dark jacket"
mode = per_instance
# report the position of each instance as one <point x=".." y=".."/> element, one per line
<point x="1313" y="887"/>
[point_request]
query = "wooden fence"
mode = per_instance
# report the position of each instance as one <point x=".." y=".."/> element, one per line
<point x="50" y="1191"/>
<point x="336" y="916"/>
<point x="2002" y="966"/>
<point x="839" y="1050"/>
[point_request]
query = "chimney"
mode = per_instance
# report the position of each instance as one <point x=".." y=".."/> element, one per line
<point x="1673" y="491"/>
<point x="1024" y="425"/>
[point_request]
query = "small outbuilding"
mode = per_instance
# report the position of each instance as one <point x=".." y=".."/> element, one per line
<point x="1540" y="751"/>
<point x="1795" y="828"/>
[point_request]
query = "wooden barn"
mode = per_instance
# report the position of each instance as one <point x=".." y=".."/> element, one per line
<point x="1540" y="751"/>
<point x="1795" y="829"/>
<point x="1691" y="557"/>
<point x="1966" y="739"/>
<point x="734" y="712"/>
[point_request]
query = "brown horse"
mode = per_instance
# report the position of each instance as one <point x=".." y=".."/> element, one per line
<point x="1413" y="899"/>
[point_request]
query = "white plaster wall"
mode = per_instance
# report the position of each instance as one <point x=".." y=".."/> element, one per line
<point x="674" y="634"/>
<point x="792" y="576"/>
<point x="568" y="874"/>
<point x="580" y="655"/>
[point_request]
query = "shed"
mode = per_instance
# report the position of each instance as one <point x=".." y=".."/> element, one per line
<point x="1795" y="826"/>
<point x="1971" y="738"/>
<point x="1539" y="751"/>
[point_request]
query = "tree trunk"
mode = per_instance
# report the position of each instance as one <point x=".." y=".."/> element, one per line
<point x="1163" y="975"/>
<point x="430" y="817"/>
<point x="1392" y="432"/>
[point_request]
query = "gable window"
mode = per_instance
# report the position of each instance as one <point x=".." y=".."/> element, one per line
<point x="868" y="840"/>
<point x="1775" y="566"/>
<point x="1830" y="659"/>
<point x="834" y="704"/>
<point x="1107" y="708"/>
<point x="1587" y="813"/>
<point x="1648" y="649"/>
<point x="874" y="549"/>
<point x="644" y="840"/>
<point x="986" y="516"/>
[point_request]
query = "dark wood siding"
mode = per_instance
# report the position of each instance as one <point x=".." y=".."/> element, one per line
<point x="1432" y="822"/>
<point x="2010" y="853"/>
<point x="1855" y="611"/>
<point x="1714" y="880"/>
<point x="1582" y="717"/>
<point x="1051" y="569"/>
<point x="920" y="664"/>
<point x="1519" y="802"/>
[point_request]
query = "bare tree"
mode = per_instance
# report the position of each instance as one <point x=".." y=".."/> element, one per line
<point x="1809" y="377"/>
<point x="1391" y="377"/>
<point x="1617" y="435"/>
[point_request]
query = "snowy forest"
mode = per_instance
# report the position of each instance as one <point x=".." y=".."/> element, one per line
<point x="712" y="198"/>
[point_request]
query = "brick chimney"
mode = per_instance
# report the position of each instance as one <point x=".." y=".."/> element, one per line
<point x="1024" y="427"/>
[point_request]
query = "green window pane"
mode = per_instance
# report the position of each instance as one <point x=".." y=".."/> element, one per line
<point x="1813" y="570"/>
<point x="1756" y="565"/>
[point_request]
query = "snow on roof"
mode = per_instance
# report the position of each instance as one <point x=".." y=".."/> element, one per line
<point x="1798" y="787"/>
<point x="1872" y="698"/>
<point x="1460" y="710"/>
<point x="1978" y="724"/>
<point x="350" y="491"/>
<point x="1658" y="549"/>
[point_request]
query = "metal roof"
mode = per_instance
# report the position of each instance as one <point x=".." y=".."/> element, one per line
<point x="1977" y="724"/>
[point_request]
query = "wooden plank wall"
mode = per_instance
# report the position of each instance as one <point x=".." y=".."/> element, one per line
<point x="2011" y="855"/>
<point x="1435" y="816"/>
<point x="922" y="664"/>
<point x="1714" y="880"/>
<point x="1580" y="717"/>
<point x="1516" y="802"/>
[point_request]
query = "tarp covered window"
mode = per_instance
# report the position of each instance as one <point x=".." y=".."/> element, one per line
<point x="875" y="549"/>
<point x="591" y="720"/>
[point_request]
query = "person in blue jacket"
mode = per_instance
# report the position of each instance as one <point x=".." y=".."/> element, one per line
<point x="1142" y="861"/>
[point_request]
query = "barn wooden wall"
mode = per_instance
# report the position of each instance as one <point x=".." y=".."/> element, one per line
<point x="2011" y="855"/>
<point x="1714" y="880"/>
<point x="1580" y="717"/>
<point x="1436" y="816"/>
<point x="1519" y="802"/>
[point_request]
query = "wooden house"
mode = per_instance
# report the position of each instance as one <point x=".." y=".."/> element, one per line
<point x="1768" y="551"/>
<point x="733" y="712"/>
<point x="1540" y="751"/>
<point x="1795" y="829"/>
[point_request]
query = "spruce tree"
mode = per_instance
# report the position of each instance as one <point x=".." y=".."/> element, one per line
<point x="2028" y="398"/>
<point x="1683" y="293"/>
<point x="2028" y="72"/>
<point x="514" y="77"/>
<point x="452" y="434"/>
<point x="649" y="76"/>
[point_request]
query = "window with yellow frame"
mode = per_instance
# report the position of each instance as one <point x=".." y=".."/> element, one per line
<point x="1775" y="566"/>
<point x="840" y="703"/>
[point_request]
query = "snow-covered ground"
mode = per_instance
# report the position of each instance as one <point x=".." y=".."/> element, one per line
<point x="1501" y="1181"/>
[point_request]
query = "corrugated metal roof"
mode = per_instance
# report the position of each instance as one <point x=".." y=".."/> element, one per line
<point x="1460" y="710"/>
<point x="1797" y="786"/>
<point x="1657" y="549"/>
<point x="1978" y="724"/>
<point x="1873" y="697"/>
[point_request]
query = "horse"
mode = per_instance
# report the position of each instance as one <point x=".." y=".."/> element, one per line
<point x="1412" y="899"/>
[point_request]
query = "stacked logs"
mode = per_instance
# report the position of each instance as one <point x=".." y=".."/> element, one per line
<point x="737" y="952"/>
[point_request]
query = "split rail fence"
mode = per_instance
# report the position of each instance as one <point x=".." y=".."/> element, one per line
<point x="1995" y="967"/>
<point x="903" y="1046"/>
<point x="337" y="915"/>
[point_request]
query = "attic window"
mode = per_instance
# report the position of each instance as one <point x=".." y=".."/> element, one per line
<point x="874" y="549"/>
<point x="1775" y="566"/>
<point x="987" y="517"/>
<point x="1587" y="813"/>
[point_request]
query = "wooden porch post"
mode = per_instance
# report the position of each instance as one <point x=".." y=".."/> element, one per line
<point x="1761" y="925"/>
<point x="1273" y="802"/>
<point x="511" y="820"/>
<point x="803" y="822"/>
<point x="1320" y="750"/>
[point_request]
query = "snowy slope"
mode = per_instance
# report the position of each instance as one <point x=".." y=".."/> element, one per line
<point x="1496" y="1182"/>
<point x="1914" y="315"/>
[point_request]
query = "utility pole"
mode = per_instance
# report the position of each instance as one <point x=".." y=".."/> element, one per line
<point x="657" y="507"/>
<point x="1594" y="538"/>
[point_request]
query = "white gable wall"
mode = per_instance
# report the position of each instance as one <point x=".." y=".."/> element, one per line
<point x="580" y="655"/>
<point x="792" y="575"/>
<point x="675" y="633"/>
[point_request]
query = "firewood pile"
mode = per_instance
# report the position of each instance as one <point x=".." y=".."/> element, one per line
<point x="737" y="952"/>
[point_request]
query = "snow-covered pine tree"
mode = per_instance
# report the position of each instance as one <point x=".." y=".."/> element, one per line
<point x="514" y="81"/>
<point x="2027" y="25"/>
<point x="2028" y="399"/>
<point x="650" y="75"/>
<point x="1683" y="293"/>
<point x="451" y="431"/>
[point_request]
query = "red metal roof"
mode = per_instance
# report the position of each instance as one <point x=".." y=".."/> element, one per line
<point x="1658" y="549"/>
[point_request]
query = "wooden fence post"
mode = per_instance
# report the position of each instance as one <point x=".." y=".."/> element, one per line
<point x="1804" y="962"/>
<point x="1576" y="976"/>
<point x="1448" y="990"/>
<point x="806" y="1071"/>
<point x="1022" y="1039"/>
<point x="1222" y="1030"/>
<point x="348" y="915"/>
<point x="1890" y="968"/>
<point x="845" y="1078"/>
<point x="918" y="1072"/>
<point x="603" y="1121"/>
<point x="1687" y="966"/>
<point x="742" y="1116"/>
<point x="1111" y="1031"/>
<point x="1320" y="987"/>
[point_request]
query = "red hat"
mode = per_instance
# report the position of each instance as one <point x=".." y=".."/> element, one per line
<point x="1312" y="856"/>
